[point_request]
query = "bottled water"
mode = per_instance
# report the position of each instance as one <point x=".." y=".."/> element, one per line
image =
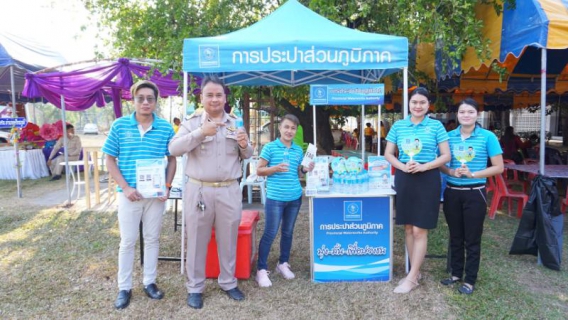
<point x="239" y="123"/>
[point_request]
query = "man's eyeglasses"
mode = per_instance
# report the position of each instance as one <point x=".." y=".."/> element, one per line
<point x="140" y="99"/>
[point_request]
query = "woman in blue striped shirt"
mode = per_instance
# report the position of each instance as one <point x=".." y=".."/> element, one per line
<point x="417" y="180"/>
<point x="465" y="204"/>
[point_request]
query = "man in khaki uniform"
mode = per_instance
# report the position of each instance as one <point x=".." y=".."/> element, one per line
<point x="212" y="197"/>
<point x="74" y="148"/>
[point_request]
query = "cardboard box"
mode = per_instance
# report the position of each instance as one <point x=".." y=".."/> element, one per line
<point x="246" y="248"/>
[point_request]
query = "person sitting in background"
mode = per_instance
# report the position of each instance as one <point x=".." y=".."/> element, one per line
<point x="177" y="122"/>
<point x="451" y="125"/>
<point x="74" y="148"/>
<point x="512" y="144"/>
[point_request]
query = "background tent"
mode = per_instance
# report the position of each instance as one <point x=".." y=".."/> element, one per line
<point x="24" y="54"/>
<point x="517" y="37"/>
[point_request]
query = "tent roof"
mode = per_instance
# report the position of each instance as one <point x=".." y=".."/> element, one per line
<point x="295" y="46"/>
<point x="25" y="54"/>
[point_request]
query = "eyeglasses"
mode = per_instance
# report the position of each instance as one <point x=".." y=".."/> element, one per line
<point x="140" y="99"/>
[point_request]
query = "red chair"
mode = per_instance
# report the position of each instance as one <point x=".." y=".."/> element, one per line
<point x="490" y="185"/>
<point x="515" y="181"/>
<point x="530" y="176"/>
<point x="501" y="193"/>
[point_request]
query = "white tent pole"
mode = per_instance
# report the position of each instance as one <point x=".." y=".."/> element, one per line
<point x="542" y="108"/>
<point x="379" y="132"/>
<point x="405" y="92"/>
<point x="16" y="146"/>
<point x="362" y="133"/>
<point x="314" y="115"/>
<point x="182" y="254"/>
<point x="66" y="153"/>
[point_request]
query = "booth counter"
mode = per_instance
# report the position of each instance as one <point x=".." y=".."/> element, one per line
<point x="351" y="236"/>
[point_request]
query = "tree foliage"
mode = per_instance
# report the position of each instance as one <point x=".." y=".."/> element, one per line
<point x="156" y="29"/>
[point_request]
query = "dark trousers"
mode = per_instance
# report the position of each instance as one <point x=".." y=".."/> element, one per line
<point x="369" y="143"/>
<point x="465" y="212"/>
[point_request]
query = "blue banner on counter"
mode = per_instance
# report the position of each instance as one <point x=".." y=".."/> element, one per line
<point x="351" y="239"/>
<point x="347" y="94"/>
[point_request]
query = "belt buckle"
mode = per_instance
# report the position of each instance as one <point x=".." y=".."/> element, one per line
<point x="216" y="184"/>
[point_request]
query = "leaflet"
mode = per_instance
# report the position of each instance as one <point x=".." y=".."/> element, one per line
<point x="151" y="177"/>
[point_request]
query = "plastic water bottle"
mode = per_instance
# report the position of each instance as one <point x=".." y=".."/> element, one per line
<point x="239" y="123"/>
<point x="342" y="183"/>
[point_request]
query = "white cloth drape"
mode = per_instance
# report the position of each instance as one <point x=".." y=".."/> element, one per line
<point x="32" y="161"/>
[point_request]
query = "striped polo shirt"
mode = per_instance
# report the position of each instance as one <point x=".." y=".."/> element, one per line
<point x="421" y="139"/>
<point x="126" y="144"/>
<point x="473" y="151"/>
<point x="283" y="186"/>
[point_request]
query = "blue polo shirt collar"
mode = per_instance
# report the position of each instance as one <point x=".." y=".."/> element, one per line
<point x="281" y="145"/>
<point x="424" y="121"/>
<point x="456" y="131"/>
<point x="133" y="122"/>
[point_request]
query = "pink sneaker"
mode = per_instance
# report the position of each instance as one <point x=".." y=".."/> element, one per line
<point x="284" y="269"/>
<point x="262" y="278"/>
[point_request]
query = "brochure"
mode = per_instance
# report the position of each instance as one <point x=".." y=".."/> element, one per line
<point x="318" y="179"/>
<point x="151" y="177"/>
<point x="310" y="155"/>
<point x="379" y="173"/>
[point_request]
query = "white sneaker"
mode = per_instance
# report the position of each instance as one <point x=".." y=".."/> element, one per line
<point x="284" y="269"/>
<point x="262" y="278"/>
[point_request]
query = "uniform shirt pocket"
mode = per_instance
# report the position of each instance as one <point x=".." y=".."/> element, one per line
<point x="231" y="145"/>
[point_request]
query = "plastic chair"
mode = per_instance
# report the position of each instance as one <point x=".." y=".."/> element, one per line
<point x="515" y="181"/>
<point x="501" y="193"/>
<point x="252" y="180"/>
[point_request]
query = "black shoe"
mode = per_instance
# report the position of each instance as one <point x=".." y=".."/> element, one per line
<point x="235" y="294"/>
<point x="449" y="281"/>
<point x="153" y="292"/>
<point x="56" y="177"/>
<point x="466" y="289"/>
<point x="123" y="299"/>
<point x="195" y="300"/>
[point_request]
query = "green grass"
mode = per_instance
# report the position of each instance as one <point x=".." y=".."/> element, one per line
<point x="62" y="263"/>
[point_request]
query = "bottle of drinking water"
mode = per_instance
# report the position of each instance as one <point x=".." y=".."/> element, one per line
<point x="239" y="123"/>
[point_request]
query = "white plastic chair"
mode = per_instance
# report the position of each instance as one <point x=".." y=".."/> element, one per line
<point x="253" y="180"/>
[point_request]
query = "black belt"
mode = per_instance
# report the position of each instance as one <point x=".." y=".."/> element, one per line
<point x="470" y="187"/>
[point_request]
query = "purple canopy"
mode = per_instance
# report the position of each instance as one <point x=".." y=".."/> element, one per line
<point x="88" y="86"/>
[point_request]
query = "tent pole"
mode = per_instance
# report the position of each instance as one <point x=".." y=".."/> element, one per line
<point x="16" y="147"/>
<point x="362" y="133"/>
<point x="405" y="92"/>
<point x="65" y="153"/>
<point x="542" y="108"/>
<point x="314" y="115"/>
<point x="184" y="104"/>
<point x="379" y="132"/>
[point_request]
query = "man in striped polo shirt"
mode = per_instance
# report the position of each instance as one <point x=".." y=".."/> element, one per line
<point x="140" y="136"/>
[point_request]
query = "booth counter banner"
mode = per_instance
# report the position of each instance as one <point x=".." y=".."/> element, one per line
<point x="351" y="239"/>
<point x="347" y="94"/>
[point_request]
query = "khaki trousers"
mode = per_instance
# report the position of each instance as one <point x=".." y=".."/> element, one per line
<point x="223" y="211"/>
<point x="150" y="212"/>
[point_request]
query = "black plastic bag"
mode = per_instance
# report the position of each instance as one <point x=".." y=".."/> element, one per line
<point x="540" y="228"/>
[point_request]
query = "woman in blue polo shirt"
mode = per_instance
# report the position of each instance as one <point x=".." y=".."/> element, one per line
<point x="465" y="203"/>
<point x="280" y="161"/>
<point x="417" y="178"/>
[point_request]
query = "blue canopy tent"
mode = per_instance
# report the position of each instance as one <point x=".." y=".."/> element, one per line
<point x="295" y="46"/>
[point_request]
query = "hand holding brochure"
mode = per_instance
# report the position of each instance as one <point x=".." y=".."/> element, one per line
<point x="310" y="155"/>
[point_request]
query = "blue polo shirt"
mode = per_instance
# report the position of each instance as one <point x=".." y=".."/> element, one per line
<point x="126" y="144"/>
<point x="283" y="186"/>
<point x="422" y="138"/>
<point x="475" y="151"/>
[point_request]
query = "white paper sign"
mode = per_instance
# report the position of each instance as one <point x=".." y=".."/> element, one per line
<point x="310" y="155"/>
<point x="151" y="177"/>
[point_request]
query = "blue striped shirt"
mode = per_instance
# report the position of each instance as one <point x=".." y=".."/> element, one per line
<point x="474" y="151"/>
<point x="422" y="139"/>
<point x="125" y="143"/>
<point x="283" y="186"/>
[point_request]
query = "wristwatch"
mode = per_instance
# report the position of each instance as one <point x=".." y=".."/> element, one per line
<point x="473" y="175"/>
<point x="302" y="170"/>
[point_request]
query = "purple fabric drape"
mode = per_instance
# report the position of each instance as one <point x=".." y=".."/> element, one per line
<point x="86" y="87"/>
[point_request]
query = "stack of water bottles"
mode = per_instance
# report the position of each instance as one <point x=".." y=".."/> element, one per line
<point x="349" y="177"/>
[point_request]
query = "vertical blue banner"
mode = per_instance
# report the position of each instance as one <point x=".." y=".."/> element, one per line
<point x="347" y="94"/>
<point x="351" y="239"/>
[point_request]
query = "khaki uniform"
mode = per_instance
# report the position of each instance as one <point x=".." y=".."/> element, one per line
<point x="74" y="148"/>
<point x="213" y="159"/>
